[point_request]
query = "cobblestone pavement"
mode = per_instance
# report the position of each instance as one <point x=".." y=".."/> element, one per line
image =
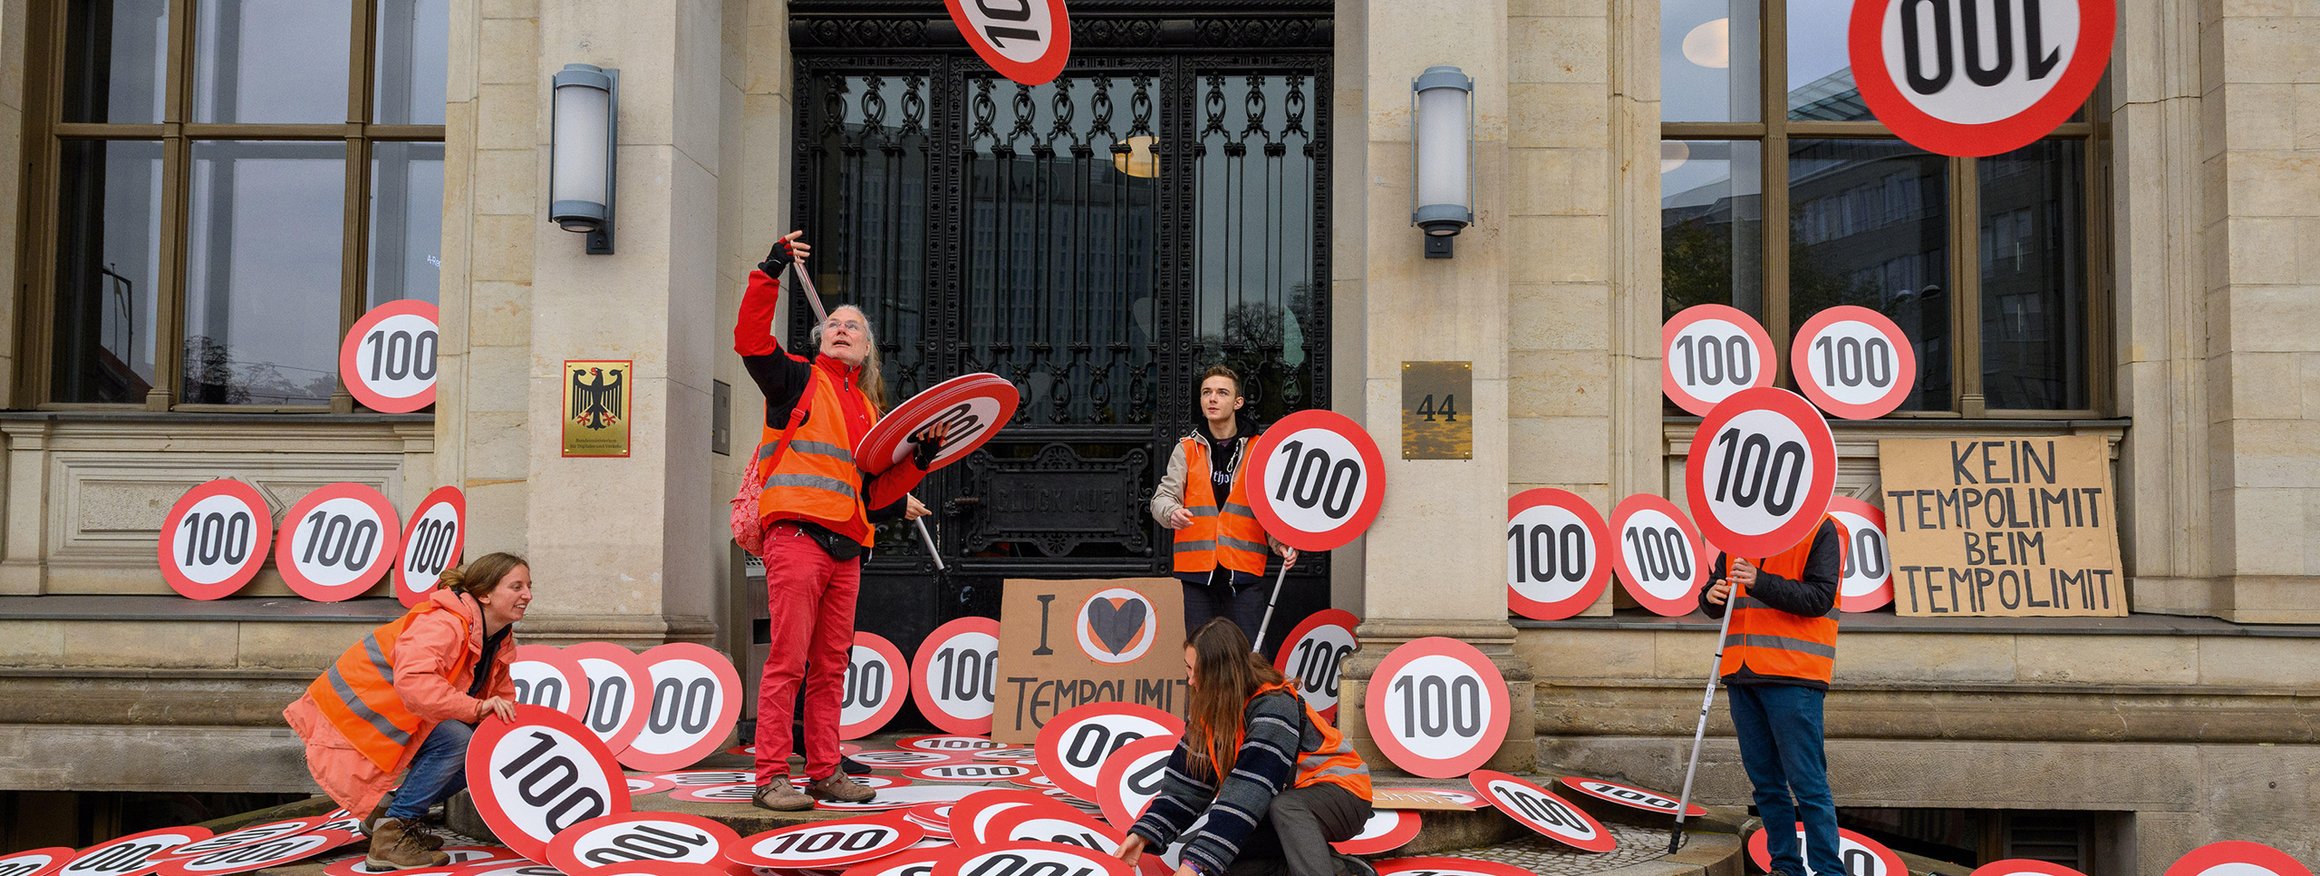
<point x="1545" y="856"/>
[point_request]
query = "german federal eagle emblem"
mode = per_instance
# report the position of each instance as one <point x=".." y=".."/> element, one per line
<point x="596" y="403"/>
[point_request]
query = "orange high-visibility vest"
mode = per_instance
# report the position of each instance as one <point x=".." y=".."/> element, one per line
<point x="1230" y="534"/>
<point x="813" y="478"/>
<point x="357" y="693"/>
<point x="1332" y="762"/>
<point x="1772" y="642"/>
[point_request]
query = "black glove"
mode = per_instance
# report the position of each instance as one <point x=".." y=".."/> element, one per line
<point x="776" y="258"/>
<point x="929" y="447"/>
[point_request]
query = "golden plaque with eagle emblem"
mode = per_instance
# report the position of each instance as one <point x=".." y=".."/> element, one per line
<point x="597" y="394"/>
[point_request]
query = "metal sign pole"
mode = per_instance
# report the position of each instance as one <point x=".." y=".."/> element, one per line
<point x="1700" y="731"/>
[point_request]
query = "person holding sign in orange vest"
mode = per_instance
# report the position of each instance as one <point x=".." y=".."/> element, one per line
<point x="405" y="700"/>
<point x="1779" y="653"/>
<point x="815" y="512"/>
<point x="1279" y="784"/>
<point x="1220" y="547"/>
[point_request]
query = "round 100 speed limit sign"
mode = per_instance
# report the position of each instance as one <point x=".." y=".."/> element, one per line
<point x="1437" y="707"/>
<point x="1542" y="811"/>
<point x="1555" y="564"/>
<point x="955" y="678"/>
<point x="1318" y="480"/>
<point x="1759" y="473"/>
<point x="215" y="539"/>
<point x="1657" y="554"/>
<point x="1867" y="580"/>
<point x="877" y="681"/>
<point x="337" y="542"/>
<point x="1025" y="40"/>
<point x="388" y="360"/>
<point x="1314" y="654"/>
<point x="1710" y="351"/>
<point x="540" y="774"/>
<point x="1853" y="362"/>
<point x="695" y="697"/>
<point x="431" y="543"/>
<point x="1971" y="79"/>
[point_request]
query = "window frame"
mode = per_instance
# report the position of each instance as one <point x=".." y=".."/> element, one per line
<point x="1773" y="132"/>
<point x="46" y="133"/>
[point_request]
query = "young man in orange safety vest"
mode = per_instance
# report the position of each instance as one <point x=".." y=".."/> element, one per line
<point x="1220" y="547"/>
<point x="1779" y="653"/>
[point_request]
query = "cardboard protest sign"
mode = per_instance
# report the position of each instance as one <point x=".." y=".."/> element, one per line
<point x="1065" y="643"/>
<point x="2002" y="527"/>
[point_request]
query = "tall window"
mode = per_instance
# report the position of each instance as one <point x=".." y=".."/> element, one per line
<point x="234" y="182"/>
<point x="1985" y="263"/>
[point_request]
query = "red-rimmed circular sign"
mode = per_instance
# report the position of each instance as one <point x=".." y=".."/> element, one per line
<point x="1130" y="779"/>
<point x="1437" y="707"/>
<point x="1047" y="859"/>
<point x="502" y="868"/>
<point x="1629" y="796"/>
<point x="970" y="771"/>
<point x="877" y="683"/>
<point x="694" y="699"/>
<point x="895" y="760"/>
<point x="239" y="838"/>
<point x="825" y="844"/>
<point x="2237" y="858"/>
<point x="1656" y="551"/>
<point x="1710" y="351"/>
<point x="1447" y="867"/>
<point x="875" y="783"/>
<point x="619" y="691"/>
<point x="1556" y="563"/>
<point x="539" y="775"/>
<point x="1027" y="41"/>
<point x="337" y="542"/>
<point x="1759" y="473"/>
<point x="972" y="815"/>
<point x="1851" y="847"/>
<point x="1542" y="811"/>
<point x="1853" y="362"/>
<point x="641" y="785"/>
<point x="974" y="406"/>
<point x="1116" y="625"/>
<point x="1053" y="822"/>
<point x="1316" y="480"/>
<point x="1385" y="831"/>
<point x="1867" y="583"/>
<point x="1922" y="69"/>
<point x="2023" y="867"/>
<point x="955" y="678"/>
<point x="35" y="862"/>
<point x="1072" y="746"/>
<point x="905" y="797"/>
<point x="1314" y="654"/>
<point x="704" y="778"/>
<point x="546" y="676"/>
<point x="215" y="539"/>
<point x="1013" y="755"/>
<point x="610" y="841"/>
<point x="388" y="360"/>
<point x="736" y="793"/>
<point x="255" y="856"/>
<point x="461" y="856"/>
<point x="910" y="862"/>
<point x="657" y="868"/>
<point x="432" y="542"/>
<point x="955" y="744"/>
<point x="131" y="854"/>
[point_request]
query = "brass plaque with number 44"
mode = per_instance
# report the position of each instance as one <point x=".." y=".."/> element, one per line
<point x="1435" y="421"/>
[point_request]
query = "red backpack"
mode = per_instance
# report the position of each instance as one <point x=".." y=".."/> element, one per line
<point x="748" y="531"/>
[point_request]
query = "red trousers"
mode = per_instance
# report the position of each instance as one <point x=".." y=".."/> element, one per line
<point x="810" y="601"/>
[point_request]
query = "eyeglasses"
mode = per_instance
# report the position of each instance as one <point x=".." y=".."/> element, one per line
<point x="854" y="326"/>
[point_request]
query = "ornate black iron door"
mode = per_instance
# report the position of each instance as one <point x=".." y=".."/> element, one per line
<point x="1099" y="241"/>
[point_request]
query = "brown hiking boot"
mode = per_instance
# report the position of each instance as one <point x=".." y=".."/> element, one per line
<point x="424" y="836"/>
<point x="394" y="848"/>
<point x="781" y="796"/>
<point x="840" y="788"/>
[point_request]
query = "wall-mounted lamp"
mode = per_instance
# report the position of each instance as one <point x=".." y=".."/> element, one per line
<point x="585" y="153"/>
<point x="1442" y="114"/>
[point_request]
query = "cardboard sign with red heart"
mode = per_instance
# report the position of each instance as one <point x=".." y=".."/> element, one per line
<point x="1068" y="643"/>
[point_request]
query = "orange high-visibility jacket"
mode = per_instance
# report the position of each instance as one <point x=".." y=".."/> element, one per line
<point x="814" y="478"/>
<point x="364" y="718"/>
<point x="1332" y="762"/>
<point x="1228" y="534"/>
<point x="1772" y="642"/>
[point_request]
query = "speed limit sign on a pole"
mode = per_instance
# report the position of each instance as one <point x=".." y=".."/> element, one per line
<point x="1759" y="472"/>
<point x="1867" y="581"/>
<point x="955" y="678"/>
<point x="388" y="360"/>
<point x="215" y="539"/>
<point x="1970" y="79"/>
<point x="1437" y="707"/>
<point x="431" y="543"/>
<point x="537" y="775"/>
<point x="877" y="681"/>
<point x="1853" y="362"/>
<point x="1319" y="480"/>
<point x="1555" y="564"/>
<point x="1656" y="551"/>
<point x="337" y="542"/>
<point x="1710" y="351"/>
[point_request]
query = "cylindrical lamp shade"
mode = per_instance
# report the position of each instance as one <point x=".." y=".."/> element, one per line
<point x="1445" y="126"/>
<point x="580" y="177"/>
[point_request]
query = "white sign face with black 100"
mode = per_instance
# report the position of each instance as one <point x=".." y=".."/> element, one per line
<point x="1657" y="554"/>
<point x="215" y="539"/>
<point x="131" y="853"/>
<point x="619" y="692"/>
<point x="388" y="360"/>
<point x="1860" y="855"/>
<point x="35" y="862"/>
<point x="1131" y="778"/>
<point x="431" y="543"/>
<point x="255" y="856"/>
<point x="877" y="681"/>
<point x="1542" y="811"/>
<point x="955" y="678"/>
<point x="1759" y="473"/>
<point x="972" y="407"/>
<point x="1867" y="580"/>
<point x="1709" y="352"/>
<point x="1044" y="859"/>
<point x="1970" y="78"/>
<point x="1025" y="40"/>
<point x="829" y="843"/>
<point x="1629" y="796"/>
<point x="614" y="840"/>
<point x="543" y="773"/>
<point x="337" y="542"/>
<point x="694" y="700"/>
<point x="1555" y="563"/>
<point x="1314" y="654"/>
<point x="1442" y="705"/>
<point x="546" y="676"/>
<point x="249" y="836"/>
<point x="1853" y="362"/>
<point x="1317" y="480"/>
<point x="1073" y="746"/>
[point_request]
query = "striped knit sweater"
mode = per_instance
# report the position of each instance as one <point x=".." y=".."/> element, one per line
<point x="1267" y="764"/>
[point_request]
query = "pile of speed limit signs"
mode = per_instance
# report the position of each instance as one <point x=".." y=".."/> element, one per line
<point x="1758" y="476"/>
<point x="334" y="544"/>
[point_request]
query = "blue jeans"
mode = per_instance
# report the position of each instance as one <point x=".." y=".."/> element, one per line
<point x="1779" y="726"/>
<point x="438" y="771"/>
